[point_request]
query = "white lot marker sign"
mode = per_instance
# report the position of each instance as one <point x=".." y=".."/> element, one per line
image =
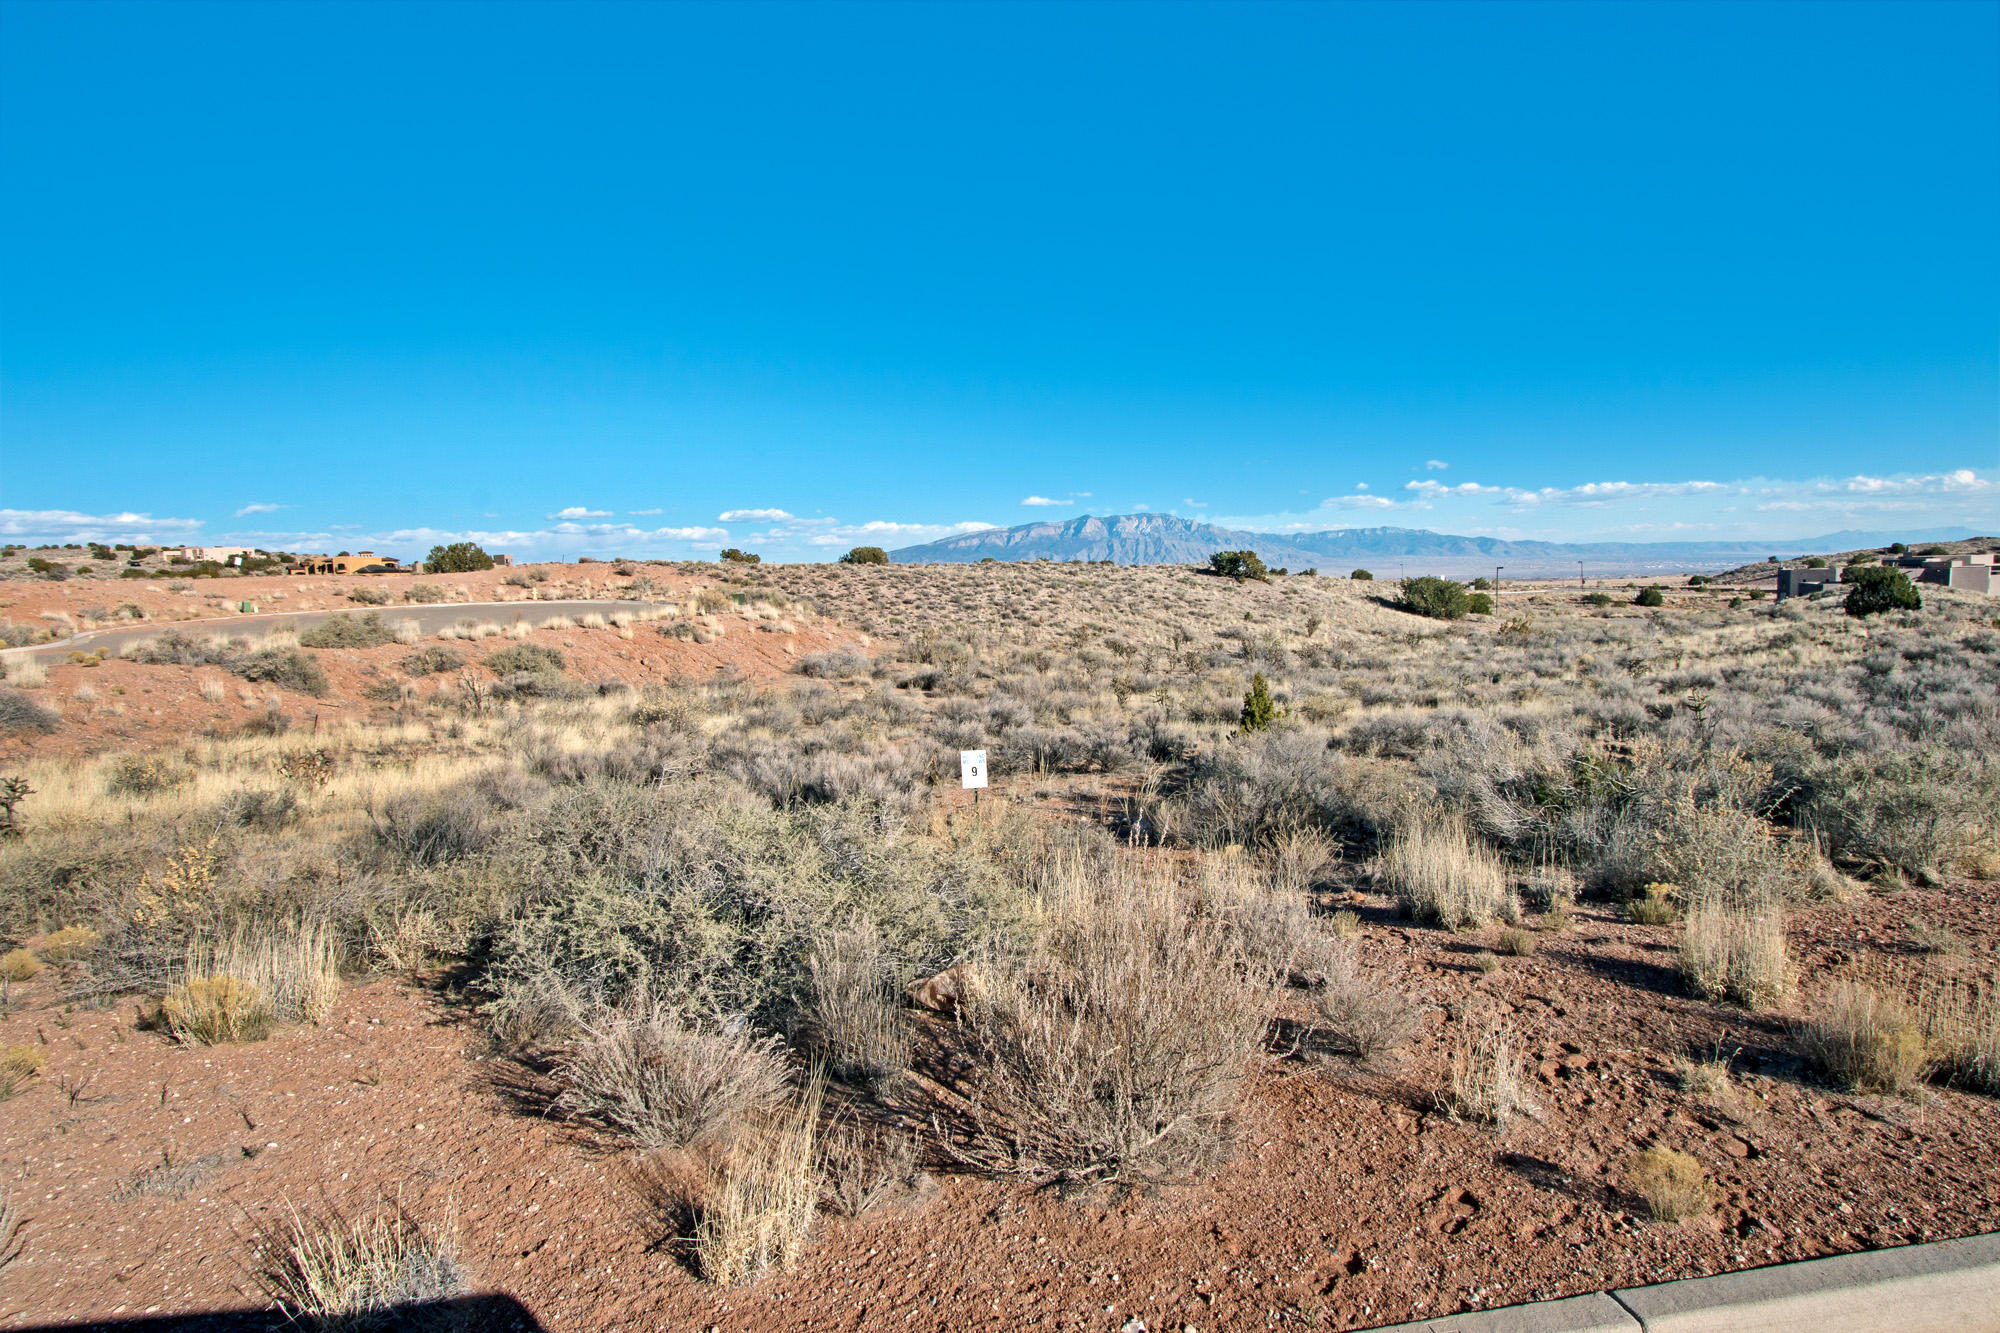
<point x="972" y="769"/>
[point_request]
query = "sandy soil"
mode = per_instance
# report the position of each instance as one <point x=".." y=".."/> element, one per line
<point x="143" y="1168"/>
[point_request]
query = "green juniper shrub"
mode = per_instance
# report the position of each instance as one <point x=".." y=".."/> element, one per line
<point x="1650" y="597"/>
<point x="457" y="558"/>
<point x="736" y="557"/>
<point x="1439" y="599"/>
<point x="866" y="555"/>
<point x="1479" y="604"/>
<point x="1239" y="565"/>
<point x="1873" y="589"/>
<point x="1258" y="710"/>
<point x="1361" y="575"/>
<point x="1597" y="599"/>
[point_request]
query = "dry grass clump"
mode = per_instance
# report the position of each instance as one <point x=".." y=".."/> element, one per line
<point x="1704" y="1077"/>
<point x="295" y="969"/>
<point x="1117" y="1046"/>
<point x="668" y="1083"/>
<point x="1359" y="1012"/>
<point x="209" y="1010"/>
<point x="19" y="965"/>
<point x="1654" y="906"/>
<point x="1517" y="943"/>
<point x="1440" y="873"/>
<point x="1864" y="1040"/>
<point x="60" y="946"/>
<point x="1486" y="1081"/>
<point x="1672" y="1183"/>
<point x="852" y="1009"/>
<point x="758" y="1214"/>
<point x="337" y="1272"/>
<point x="864" y="1165"/>
<point x="1962" y="1023"/>
<point x="18" y="1064"/>
<point x="1736" y="952"/>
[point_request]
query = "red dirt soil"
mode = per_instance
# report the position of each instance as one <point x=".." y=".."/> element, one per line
<point x="140" y="707"/>
<point x="1352" y="1201"/>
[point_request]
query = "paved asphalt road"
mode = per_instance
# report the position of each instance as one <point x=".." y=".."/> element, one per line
<point x="430" y="619"/>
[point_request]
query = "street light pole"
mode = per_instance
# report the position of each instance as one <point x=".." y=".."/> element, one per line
<point x="1579" y="575"/>
<point x="1496" y="579"/>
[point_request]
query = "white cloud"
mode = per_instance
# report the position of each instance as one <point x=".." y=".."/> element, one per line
<point x="1435" y="465"/>
<point x="258" y="509"/>
<point x="1195" y="504"/>
<point x="1040" y="500"/>
<point x="1656" y="510"/>
<point x="643" y="513"/>
<point x="907" y="534"/>
<point x="1360" y="485"/>
<point x="67" y="525"/>
<point x="754" y="516"/>
<point x="578" y="511"/>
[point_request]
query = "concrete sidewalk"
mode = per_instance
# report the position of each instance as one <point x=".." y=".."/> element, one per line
<point x="1950" y="1286"/>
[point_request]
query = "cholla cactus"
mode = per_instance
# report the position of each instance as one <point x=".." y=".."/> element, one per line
<point x="13" y="791"/>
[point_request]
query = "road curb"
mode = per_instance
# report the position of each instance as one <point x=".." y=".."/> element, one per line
<point x="1950" y="1286"/>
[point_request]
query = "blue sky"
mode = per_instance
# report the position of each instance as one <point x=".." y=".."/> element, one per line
<point x="655" y="279"/>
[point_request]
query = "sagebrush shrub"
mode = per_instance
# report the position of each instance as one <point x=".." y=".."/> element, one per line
<point x="1360" y="1013"/>
<point x="341" y="630"/>
<point x="1118" y="1046"/>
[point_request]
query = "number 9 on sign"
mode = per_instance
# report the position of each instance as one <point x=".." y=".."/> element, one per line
<point x="972" y="768"/>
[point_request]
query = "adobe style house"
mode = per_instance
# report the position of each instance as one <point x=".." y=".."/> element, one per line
<point x="1799" y="582"/>
<point x="1973" y="573"/>
<point x="221" y="555"/>
<point x="1970" y="573"/>
<point x="361" y="562"/>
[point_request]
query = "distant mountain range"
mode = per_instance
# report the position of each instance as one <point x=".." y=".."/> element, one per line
<point x="1162" y="539"/>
